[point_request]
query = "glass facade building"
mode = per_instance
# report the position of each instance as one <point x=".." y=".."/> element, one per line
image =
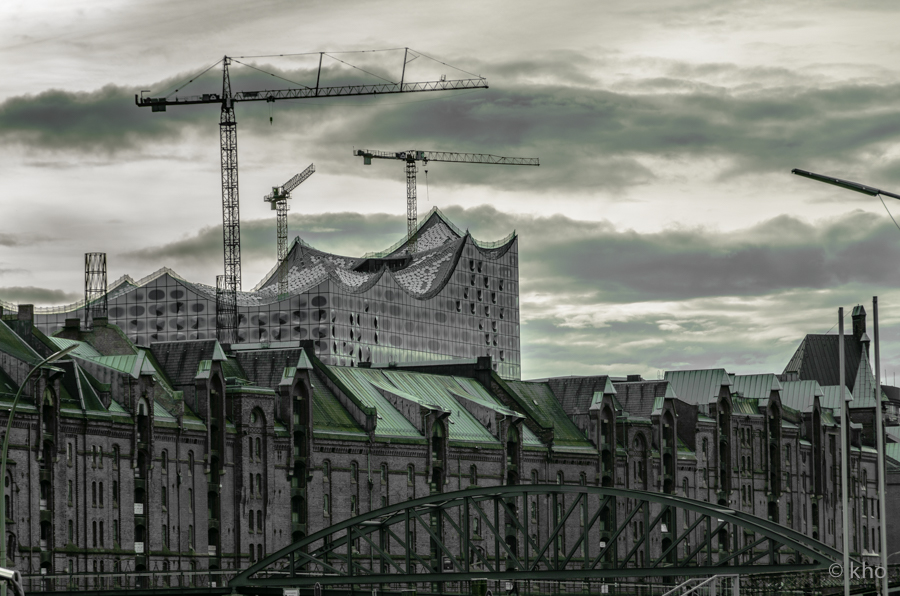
<point x="455" y="297"/>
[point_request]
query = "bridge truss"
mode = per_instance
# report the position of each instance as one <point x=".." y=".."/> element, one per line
<point x="549" y="532"/>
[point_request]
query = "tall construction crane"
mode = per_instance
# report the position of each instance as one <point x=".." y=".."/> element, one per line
<point x="226" y="307"/>
<point x="411" y="157"/>
<point x="278" y="198"/>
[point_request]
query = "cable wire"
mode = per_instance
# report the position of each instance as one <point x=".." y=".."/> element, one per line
<point x="180" y="86"/>
<point x="315" y="53"/>
<point x="448" y="65"/>
<point x="358" y="68"/>
<point x="271" y="74"/>
<point x="888" y="211"/>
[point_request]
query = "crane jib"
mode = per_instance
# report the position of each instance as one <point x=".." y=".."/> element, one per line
<point x="159" y="103"/>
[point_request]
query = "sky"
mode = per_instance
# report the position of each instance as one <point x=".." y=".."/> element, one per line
<point x="663" y="229"/>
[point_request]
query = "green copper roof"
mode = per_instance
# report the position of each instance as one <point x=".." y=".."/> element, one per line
<point x="698" y="387"/>
<point x="549" y="413"/>
<point x="745" y="406"/>
<point x="831" y="397"/>
<point x="391" y="423"/>
<point x="755" y="386"/>
<point x="801" y="395"/>
<point x="124" y="364"/>
<point x="892" y="450"/>
<point x="328" y="413"/>
<point x="437" y="389"/>
<point x="13" y="345"/>
<point x="160" y="414"/>
<point x="84" y="349"/>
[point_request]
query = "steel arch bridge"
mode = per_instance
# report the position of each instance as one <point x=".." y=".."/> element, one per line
<point x="552" y="532"/>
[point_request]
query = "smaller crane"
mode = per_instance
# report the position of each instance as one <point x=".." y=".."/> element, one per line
<point x="411" y="157"/>
<point x="278" y="198"/>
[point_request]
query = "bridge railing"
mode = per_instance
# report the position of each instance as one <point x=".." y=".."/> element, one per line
<point x="213" y="578"/>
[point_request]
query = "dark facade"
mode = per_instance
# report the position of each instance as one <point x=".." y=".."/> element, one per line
<point x="187" y="456"/>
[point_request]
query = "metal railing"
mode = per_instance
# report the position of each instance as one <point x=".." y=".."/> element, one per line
<point x="216" y="578"/>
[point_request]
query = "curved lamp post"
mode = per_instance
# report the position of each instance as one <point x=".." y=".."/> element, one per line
<point x="12" y="412"/>
<point x="879" y="432"/>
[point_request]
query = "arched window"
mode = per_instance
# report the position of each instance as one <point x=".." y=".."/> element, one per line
<point x="258" y="448"/>
<point x="473" y="475"/>
<point x="684" y="486"/>
<point x="190" y="470"/>
<point x="259" y="488"/>
<point x="384" y="473"/>
<point x="534" y="477"/>
<point x="583" y="479"/>
<point x="101" y="494"/>
<point x="326" y="504"/>
<point x="164" y="462"/>
<point x="115" y="461"/>
<point x="354" y="472"/>
<point x="259" y="520"/>
<point x="93" y="494"/>
<point x="326" y="470"/>
<point x="250" y="520"/>
<point x="559" y="477"/>
<point x="410" y="475"/>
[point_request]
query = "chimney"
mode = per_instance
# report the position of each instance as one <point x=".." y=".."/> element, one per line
<point x="26" y="312"/>
<point x="633" y="378"/>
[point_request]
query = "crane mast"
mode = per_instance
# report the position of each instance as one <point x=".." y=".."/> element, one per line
<point x="278" y="199"/>
<point x="230" y="284"/>
<point x="411" y="157"/>
<point x="226" y="311"/>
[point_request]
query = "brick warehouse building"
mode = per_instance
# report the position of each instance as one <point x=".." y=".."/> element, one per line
<point x="186" y="456"/>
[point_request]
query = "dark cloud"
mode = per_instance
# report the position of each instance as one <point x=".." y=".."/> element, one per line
<point x="596" y="262"/>
<point x="588" y="135"/>
<point x="344" y="233"/>
<point x="33" y="295"/>
<point x="599" y="262"/>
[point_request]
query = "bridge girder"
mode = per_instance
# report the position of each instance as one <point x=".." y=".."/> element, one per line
<point x="591" y="532"/>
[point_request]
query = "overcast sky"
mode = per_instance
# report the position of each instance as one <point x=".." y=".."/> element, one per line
<point x="663" y="229"/>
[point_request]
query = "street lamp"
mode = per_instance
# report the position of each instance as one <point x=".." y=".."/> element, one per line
<point x="12" y="412"/>
<point x="879" y="436"/>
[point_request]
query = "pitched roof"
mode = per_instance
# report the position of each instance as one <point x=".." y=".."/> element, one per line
<point x="817" y="359"/>
<point x="758" y="386"/>
<point x="181" y="359"/>
<point x="641" y="398"/>
<point x="549" y="413"/>
<point x="266" y="367"/>
<point x="328" y="413"/>
<point x="800" y="395"/>
<point x="576" y="394"/>
<point x="698" y="387"/>
<point x="16" y="347"/>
